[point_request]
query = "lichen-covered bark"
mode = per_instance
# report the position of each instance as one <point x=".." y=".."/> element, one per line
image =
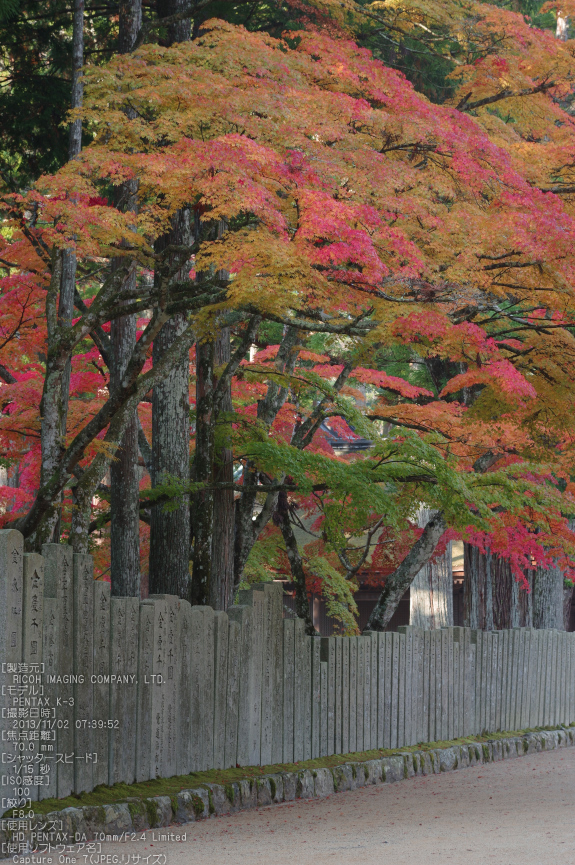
<point x="170" y="529"/>
<point x="506" y="606"/>
<point x="176" y="31"/>
<point x="214" y="510"/>
<point x="222" y="586"/>
<point x="203" y="520"/>
<point x="124" y="478"/>
<point x="397" y="583"/>
<point x="548" y="598"/>
<point x="68" y="256"/>
<point x="51" y="412"/>
<point x="567" y="601"/>
<point x="75" y="141"/>
<point x="431" y="593"/>
<point x="130" y="21"/>
<point x="478" y="585"/>
<point x="124" y="471"/>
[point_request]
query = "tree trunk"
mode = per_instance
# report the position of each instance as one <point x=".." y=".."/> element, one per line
<point x="296" y="564"/>
<point x="130" y="21"/>
<point x="51" y="411"/>
<point x="567" y="601"/>
<point x="493" y="598"/>
<point x="506" y="606"/>
<point x="124" y="471"/>
<point x="202" y="590"/>
<point x="548" y="598"/>
<point x="431" y="593"/>
<point x="247" y="529"/>
<point x="397" y="583"/>
<point x="223" y="541"/>
<point x="526" y="602"/>
<point x="170" y="529"/>
<point x="124" y="478"/>
<point x="69" y="264"/>
<point x="75" y="140"/>
<point x="177" y="31"/>
<point x="478" y="600"/>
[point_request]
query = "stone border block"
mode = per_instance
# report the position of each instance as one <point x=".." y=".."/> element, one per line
<point x="264" y="792"/>
<point x="192" y="805"/>
<point x="342" y="778"/>
<point x="323" y="785"/>
<point x="305" y="788"/>
<point x="248" y="794"/>
<point x="394" y="769"/>
<point x="448" y="759"/>
<point x="277" y="787"/>
<point x="290" y="786"/>
<point x="374" y="772"/>
<point x="219" y="803"/>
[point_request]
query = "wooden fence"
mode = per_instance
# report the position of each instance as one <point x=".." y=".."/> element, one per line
<point x="100" y="690"/>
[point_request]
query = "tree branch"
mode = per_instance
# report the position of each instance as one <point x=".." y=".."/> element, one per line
<point x="465" y="105"/>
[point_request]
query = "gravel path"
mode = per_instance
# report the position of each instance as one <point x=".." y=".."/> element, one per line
<point x="518" y="812"/>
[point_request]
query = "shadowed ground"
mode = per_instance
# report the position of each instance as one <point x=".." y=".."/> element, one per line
<point x="519" y="812"/>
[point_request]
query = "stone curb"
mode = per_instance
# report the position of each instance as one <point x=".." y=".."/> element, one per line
<point x="116" y="822"/>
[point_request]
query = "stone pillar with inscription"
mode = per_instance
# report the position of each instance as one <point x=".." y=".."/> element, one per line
<point x="233" y="694"/>
<point x="58" y="561"/>
<point x="48" y="732"/>
<point x="171" y="686"/>
<point x="251" y="685"/>
<point x="328" y="651"/>
<point x="184" y="730"/>
<point x="83" y="668"/>
<point x="102" y="714"/>
<point x="288" y="689"/>
<point x="145" y="691"/>
<point x="32" y="649"/>
<point x="158" y="675"/>
<point x="33" y="608"/>
<point x="11" y="591"/>
<point x="221" y="635"/>
<point x="124" y="626"/>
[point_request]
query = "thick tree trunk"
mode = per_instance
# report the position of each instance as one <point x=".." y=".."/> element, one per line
<point x="223" y="541"/>
<point x="130" y="23"/>
<point x="51" y="411"/>
<point x="75" y="141"/>
<point x="548" y="598"/>
<point x="170" y="529"/>
<point x="69" y="264"/>
<point x="124" y="478"/>
<point x="431" y="593"/>
<point x="202" y="589"/>
<point x="526" y="602"/>
<point x="177" y="31"/>
<point x="493" y="598"/>
<point x="506" y="603"/>
<point x="478" y="588"/>
<point x="567" y="601"/>
<point x="296" y="564"/>
<point x="397" y="583"/>
<point x="124" y="471"/>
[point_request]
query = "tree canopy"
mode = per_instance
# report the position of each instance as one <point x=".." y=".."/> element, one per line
<point x="386" y="264"/>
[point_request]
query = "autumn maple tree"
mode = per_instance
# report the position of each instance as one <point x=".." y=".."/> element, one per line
<point x="353" y="255"/>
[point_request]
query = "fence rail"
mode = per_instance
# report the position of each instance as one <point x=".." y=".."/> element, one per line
<point x="186" y="688"/>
